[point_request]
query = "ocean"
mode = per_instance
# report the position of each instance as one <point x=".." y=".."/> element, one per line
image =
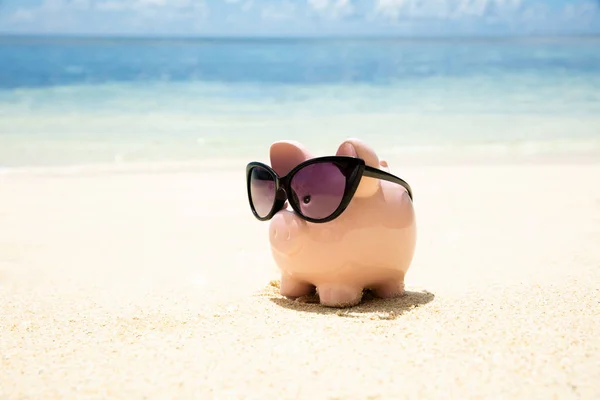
<point x="89" y="101"/>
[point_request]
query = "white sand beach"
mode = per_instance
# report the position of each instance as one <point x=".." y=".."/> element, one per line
<point x="161" y="285"/>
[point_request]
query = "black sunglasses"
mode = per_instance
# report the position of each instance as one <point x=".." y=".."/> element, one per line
<point x="319" y="189"/>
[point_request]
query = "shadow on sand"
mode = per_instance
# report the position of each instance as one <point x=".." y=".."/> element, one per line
<point x="370" y="307"/>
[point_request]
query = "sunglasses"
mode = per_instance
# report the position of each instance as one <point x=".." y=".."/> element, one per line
<point x="319" y="189"/>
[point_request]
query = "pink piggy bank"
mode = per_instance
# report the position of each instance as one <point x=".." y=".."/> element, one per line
<point x="351" y="225"/>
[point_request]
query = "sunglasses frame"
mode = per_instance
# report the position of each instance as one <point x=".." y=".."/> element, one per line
<point x="355" y="169"/>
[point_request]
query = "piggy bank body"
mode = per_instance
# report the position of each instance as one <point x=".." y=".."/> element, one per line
<point x="369" y="246"/>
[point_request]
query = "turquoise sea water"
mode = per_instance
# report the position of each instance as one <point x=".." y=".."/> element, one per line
<point x="88" y="101"/>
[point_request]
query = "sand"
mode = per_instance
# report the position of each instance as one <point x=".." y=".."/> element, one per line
<point x="161" y="285"/>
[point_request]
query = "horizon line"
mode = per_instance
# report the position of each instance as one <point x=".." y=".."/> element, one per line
<point x="206" y="37"/>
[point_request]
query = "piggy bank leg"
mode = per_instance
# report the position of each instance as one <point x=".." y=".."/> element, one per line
<point x="336" y="295"/>
<point x="292" y="288"/>
<point x="388" y="290"/>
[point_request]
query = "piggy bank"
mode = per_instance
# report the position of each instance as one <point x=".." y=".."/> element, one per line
<point x="338" y="225"/>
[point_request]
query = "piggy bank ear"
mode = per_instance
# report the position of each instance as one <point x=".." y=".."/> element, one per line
<point x="357" y="148"/>
<point x="287" y="154"/>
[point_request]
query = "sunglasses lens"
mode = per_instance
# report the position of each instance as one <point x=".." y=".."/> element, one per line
<point x="319" y="189"/>
<point x="262" y="191"/>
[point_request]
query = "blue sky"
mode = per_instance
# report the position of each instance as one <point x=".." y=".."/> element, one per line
<point x="300" y="17"/>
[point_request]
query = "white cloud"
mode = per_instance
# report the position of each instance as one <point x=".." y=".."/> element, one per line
<point x="279" y="12"/>
<point x="111" y="5"/>
<point x="243" y="5"/>
<point x="53" y="5"/>
<point x="247" y="5"/>
<point x="395" y="9"/>
<point x="409" y="15"/>
<point x="22" y="15"/>
<point x="535" y="12"/>
<point x="318" y="4"/>
<point x="583" y="11"/>
<point x="69" y="15"/>
<point x="332" y="8"/>
<point x="147" y="4"/>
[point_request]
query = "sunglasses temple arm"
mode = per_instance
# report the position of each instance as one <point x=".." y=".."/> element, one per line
<point x="386" y="176"/>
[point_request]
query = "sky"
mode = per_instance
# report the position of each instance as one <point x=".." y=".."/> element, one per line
<point x="300" y="17"/>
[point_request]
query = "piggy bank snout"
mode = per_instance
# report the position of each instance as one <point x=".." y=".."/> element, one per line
<point x="286" y="232"/>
